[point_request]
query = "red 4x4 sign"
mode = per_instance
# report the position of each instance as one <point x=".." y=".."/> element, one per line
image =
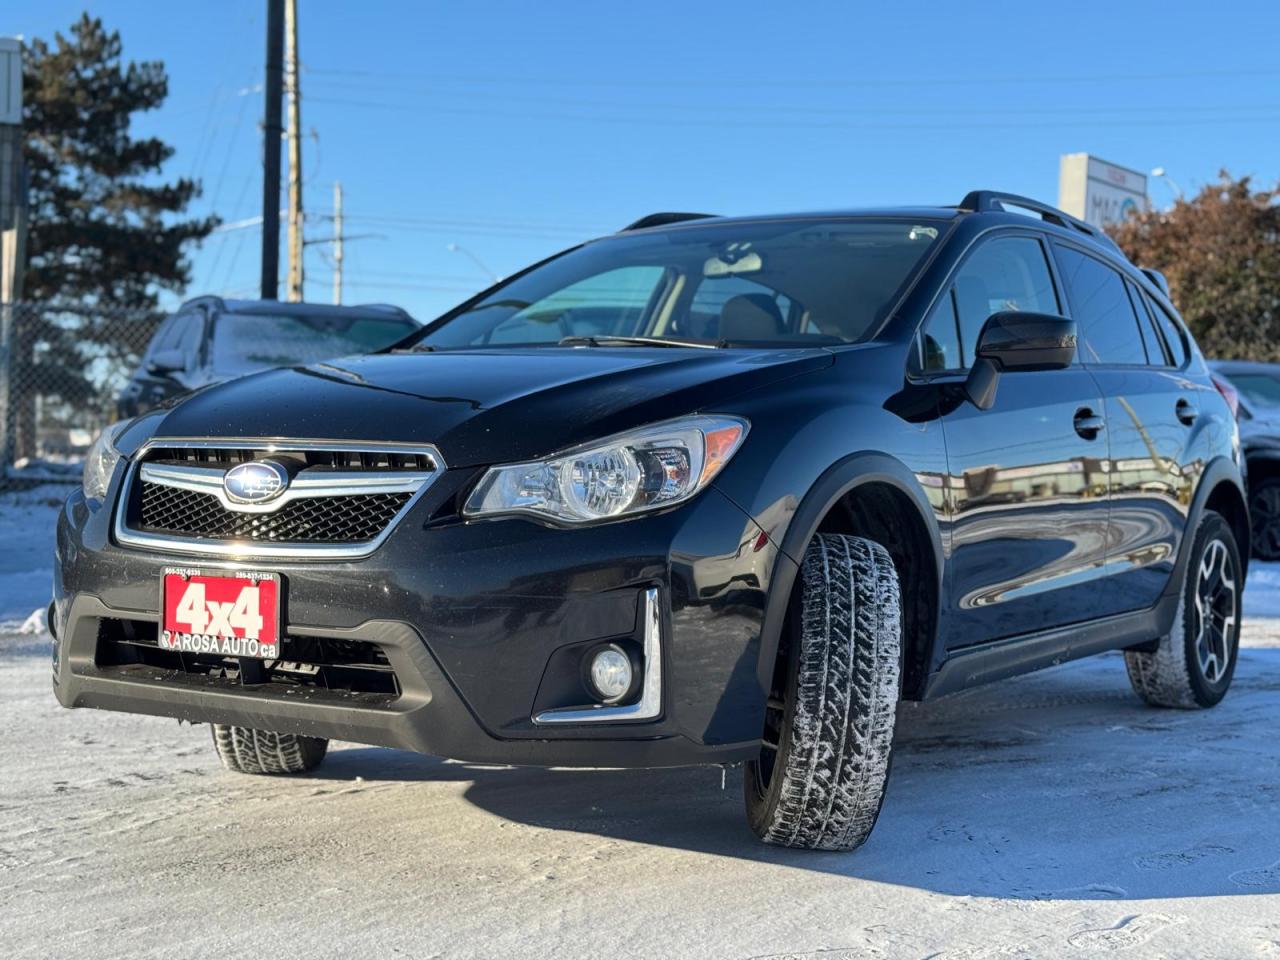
<point x="230" y="616"/>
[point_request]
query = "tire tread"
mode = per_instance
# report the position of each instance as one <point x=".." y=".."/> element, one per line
<point x="836" y="767"/>
<point x="246" y="750"/>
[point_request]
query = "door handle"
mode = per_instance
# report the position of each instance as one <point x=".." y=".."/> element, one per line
<point x="1088" y="424"/>
<point x="1186" y="411"/>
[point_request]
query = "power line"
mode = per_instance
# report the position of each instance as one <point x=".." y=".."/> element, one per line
<point x="783" y="123"/>
<point x="747" y="81"/>
<point x="384" y="285"/>
<point x="758" y="109"/>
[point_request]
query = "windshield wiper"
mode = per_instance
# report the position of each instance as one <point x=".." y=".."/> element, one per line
<point x="615" y="341"/>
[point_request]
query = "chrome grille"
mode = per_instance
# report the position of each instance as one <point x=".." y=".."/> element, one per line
<point x="352" y="519"/>
<point x="341" y="501"/>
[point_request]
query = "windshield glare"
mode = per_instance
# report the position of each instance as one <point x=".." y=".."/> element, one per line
<point x="245" y="342"/>
<point x="799" y="282"/>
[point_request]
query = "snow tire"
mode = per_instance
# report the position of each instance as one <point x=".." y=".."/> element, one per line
<point x="820" y="785"/>
<point x="246" y="750"/>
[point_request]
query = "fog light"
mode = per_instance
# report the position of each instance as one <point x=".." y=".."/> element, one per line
<point x="610" y="673"/>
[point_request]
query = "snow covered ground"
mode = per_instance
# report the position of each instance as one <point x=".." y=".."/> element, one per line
<point x="1049" y="816"/>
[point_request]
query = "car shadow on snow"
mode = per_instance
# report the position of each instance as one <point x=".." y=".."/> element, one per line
<point x="1059" y="785"/>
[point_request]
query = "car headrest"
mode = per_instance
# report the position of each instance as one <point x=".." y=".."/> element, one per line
<point x="750" y="316"/>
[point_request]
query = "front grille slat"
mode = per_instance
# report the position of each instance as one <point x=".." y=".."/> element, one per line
<point x="349" y="519"/>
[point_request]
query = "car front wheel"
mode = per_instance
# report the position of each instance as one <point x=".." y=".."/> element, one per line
<point x="824" y="764"/>
<point x="246" y="750"/>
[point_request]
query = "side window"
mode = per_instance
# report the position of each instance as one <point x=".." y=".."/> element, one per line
<point x="940" y="344"/>
<point x="1007" y="273"/>
<point x="1172" y="331"/>
<point x="1106" y="323"/>
<point x="166" y="338"/>
<point x="192" y="332"/>
<point x="1157" y="354"/>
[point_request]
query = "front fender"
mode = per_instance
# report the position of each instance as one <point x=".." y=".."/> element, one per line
<point x="843" y="477"/>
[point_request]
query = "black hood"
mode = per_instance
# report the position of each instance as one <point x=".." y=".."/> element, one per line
<point x="482" y="406"/>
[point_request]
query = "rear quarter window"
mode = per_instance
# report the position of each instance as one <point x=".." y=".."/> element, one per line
<point x="1174" y="337"/>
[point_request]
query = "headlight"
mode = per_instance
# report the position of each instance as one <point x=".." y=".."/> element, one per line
<point x="100" y="462"/>
<point x="645" y="469"/>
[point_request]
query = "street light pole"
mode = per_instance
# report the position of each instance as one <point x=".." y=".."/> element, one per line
<point x="337" y="243"/>
<point x="459" y="248"/>
<point x="1160" y="174"/>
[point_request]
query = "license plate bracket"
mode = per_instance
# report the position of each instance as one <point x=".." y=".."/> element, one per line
<point x="231" y="613"/>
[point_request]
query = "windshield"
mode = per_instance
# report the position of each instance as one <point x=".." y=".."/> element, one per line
<point x="775" y="282"/>
<point x="1260" y="390"/>
<point x="245" y="342"/>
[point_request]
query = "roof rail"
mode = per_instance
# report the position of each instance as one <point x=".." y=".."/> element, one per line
<point x="979" y="201"/>
<point x="662" y="219"/>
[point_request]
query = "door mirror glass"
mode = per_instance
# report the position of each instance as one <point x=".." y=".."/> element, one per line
<point x="1013" y="340"/>
<point x="166" y="362"/>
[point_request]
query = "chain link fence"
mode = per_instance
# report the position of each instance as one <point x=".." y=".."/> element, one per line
<point x="61" y="372"/>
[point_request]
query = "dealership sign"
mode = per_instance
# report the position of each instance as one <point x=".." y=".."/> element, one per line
<point x="1099" y="192"/>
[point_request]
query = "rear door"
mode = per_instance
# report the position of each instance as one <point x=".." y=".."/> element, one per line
<point x="1152" y="413"/>
<point x="1026" y="490"/>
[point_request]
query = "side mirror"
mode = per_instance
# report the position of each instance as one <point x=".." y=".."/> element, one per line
<point x="1018" y="341"/>
<point x="166" y="362"/>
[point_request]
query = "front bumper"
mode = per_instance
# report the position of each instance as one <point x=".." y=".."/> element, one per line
<point x="483" y="624"/>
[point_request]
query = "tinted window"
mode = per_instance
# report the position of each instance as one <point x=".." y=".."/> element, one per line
<point x="1171" y="330"/>
<point x="1157" y="354"/>
<point x="1106" y="324"/>
<point x="190" y="335"/>
<point x="940" y="345"/>
<point x="1008" y="273"/>
<point x="808" y="281"/>
<point x="244" y="342"/>
<point x="169" y="334"/>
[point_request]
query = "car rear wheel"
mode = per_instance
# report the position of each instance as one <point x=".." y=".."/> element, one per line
<point x="1193" y="664"/>
<point x="246" y="750"/>
<point x="824" y="765"/>
<point x="1264" y="516"/>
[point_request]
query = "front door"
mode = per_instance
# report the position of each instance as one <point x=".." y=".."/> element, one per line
<point x="1026" y="490"/>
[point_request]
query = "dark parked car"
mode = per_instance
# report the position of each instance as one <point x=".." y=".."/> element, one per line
<point x="711" y="490"/>
<point x="210" y="339"/>
<point x="1257" y="388"/>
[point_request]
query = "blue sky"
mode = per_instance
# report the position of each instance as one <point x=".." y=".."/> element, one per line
<point x="516" y="129"/>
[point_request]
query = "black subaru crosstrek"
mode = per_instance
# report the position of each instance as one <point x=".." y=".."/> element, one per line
<point x="711" y="490"/>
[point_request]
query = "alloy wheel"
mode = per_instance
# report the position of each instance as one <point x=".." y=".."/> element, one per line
<point x="1217" y="602"/>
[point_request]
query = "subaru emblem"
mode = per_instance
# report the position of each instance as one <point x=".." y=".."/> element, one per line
<point x="255" y="482"/>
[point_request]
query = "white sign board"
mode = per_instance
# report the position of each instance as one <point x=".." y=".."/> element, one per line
<point x="10" y="80"/>
<point x="1099" y="192"/>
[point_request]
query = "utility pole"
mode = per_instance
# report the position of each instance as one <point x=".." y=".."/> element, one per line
<point x="271" y="133"/>
<point x="337" y="243"/>
<point x="295" y="151"/>
<point x="13" y="243"/>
